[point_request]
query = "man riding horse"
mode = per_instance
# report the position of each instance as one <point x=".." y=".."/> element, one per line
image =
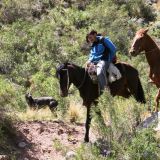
<point x="102" y="53"/>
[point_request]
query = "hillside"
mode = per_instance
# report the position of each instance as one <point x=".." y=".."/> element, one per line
<point x="35" y="37"/>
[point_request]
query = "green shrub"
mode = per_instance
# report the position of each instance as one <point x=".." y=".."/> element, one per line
<point x="125" y="141"/>
<point x="11" y="95"/>
<point x="138" y="9"/>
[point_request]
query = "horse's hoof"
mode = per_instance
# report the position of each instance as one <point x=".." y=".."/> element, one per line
<point x="86" y="140"/>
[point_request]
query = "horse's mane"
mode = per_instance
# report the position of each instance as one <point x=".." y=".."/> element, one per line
<point x="64" y="65"/>
<point x="142" y="31"/>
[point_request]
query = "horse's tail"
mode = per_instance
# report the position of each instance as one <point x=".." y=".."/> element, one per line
<point x="133" y="82"/>
<point x="140" y="93"/>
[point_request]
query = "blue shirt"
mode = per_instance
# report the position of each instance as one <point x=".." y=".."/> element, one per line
<point x="97" y="50"/>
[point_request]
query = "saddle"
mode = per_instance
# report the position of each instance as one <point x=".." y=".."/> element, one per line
<point x="113" y="73"/>
<point x="92" y="71"/>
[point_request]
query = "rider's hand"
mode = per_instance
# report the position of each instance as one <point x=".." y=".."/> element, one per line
<point x="87" y="64"/>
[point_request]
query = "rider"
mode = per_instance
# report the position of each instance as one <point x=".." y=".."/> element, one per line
<point x="102" y="53"/>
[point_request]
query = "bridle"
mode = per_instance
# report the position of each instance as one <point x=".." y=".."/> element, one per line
<point x="154" y="49"/>
<point x="68" y="81"/>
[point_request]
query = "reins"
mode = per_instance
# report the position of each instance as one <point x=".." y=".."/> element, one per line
<point x="83" y="80"/>
<point x="68" y="81"/>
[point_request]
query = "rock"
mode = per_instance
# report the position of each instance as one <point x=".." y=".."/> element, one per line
<point x="133" y="19"/>
<point x="4" y="157"/>
<point x="154" y="1"/>
<point x="157" y="25"/>
<point x="154" y="119"/>
<point x="150" y="2"/>
<point x="140" y="21"/>
<point x="41" y="130"/>
<point x="81" y="6"/>
<point x="22" y="145"/>
<point x="70" y="155"/>
<point x="66" y="5"/>
<point x="26" y="130"/>
<point x="60" y="131"/>
<point x="106" y="153"/>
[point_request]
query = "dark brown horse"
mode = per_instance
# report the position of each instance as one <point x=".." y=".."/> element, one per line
<point x="129" y="84"/>
<point x="143" y="42"/>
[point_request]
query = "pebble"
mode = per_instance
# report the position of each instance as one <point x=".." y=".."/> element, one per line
<point x="70" y="155"/>
<point x="22" y="145"/>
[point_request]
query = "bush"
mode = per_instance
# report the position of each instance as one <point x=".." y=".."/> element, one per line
<point x="11" y="95"/>
<point x="125" y="141"/>
<point x="140" y="9"/>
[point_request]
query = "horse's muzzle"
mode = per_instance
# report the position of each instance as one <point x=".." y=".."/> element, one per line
<point x="132" y="52"/>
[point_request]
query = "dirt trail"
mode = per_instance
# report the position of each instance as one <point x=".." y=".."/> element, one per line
<point x="47" y="140"/>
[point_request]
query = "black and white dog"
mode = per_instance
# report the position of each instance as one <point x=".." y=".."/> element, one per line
<point x="40" y="102"/>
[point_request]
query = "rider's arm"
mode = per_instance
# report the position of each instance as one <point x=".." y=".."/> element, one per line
<point x="111" y="47"/>
<point x="89" y="60"/>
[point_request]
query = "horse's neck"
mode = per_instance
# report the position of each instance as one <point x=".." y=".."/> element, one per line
<point x="152" y="51"/>
<point x="79" y="77"/>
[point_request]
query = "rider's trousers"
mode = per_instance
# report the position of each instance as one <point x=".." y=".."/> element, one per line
<point x="102" y="67"/>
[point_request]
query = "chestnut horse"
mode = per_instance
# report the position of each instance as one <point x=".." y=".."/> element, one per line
<point x="143" y="42"/>
<point x="129" y="84"/>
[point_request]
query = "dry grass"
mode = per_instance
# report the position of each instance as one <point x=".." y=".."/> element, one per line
<point x="158" y="5"/>
<point x="41" y="114"/>
<point x="75" y="112"/>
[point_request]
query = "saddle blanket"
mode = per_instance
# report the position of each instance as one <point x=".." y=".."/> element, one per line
<point x="113" y="71"/>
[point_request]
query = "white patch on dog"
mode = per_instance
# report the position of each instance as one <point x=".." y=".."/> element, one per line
<point x="114" y="73"/>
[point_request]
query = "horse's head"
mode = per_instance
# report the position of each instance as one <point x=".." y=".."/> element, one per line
<point x="63" y="73"/>
<point x="138" y="44"/>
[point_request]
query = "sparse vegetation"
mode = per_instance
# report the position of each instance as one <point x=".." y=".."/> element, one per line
<point x="35" y="36"/>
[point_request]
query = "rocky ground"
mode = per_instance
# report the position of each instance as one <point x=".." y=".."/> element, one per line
<point x="50" y="140"/>
<point x="46" y="140"/>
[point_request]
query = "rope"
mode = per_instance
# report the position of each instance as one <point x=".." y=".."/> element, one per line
<point x="83" y="80"/>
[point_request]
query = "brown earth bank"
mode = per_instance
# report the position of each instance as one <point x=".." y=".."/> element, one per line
<point x="43" y="140"/>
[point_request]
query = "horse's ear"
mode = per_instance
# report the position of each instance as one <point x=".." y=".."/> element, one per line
<point x="57" y="64"/>
<point x="66" y="63"/>
<point x="146" y="30"/>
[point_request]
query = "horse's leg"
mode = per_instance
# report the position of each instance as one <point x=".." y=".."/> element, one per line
<point x="150" y="76"/>
<point x="87" y="125"/>
<point x="157" y="100"/>
<point x="125" y="93"/>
